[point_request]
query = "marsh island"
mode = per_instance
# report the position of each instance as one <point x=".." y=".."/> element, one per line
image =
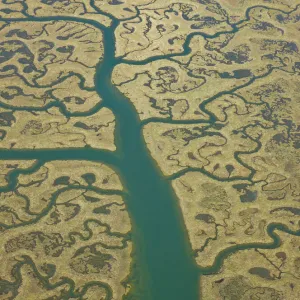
<point x="150" y="149"/>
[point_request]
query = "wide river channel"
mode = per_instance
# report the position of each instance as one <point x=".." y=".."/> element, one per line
<point x="163" y="256"/>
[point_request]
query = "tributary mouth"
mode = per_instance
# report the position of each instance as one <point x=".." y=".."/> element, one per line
<point x="162" y="249"/>
<point x="166" y="268"/>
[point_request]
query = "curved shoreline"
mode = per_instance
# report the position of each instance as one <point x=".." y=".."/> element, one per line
<point x="160" y="239"/>
<point x="159" y="234"/>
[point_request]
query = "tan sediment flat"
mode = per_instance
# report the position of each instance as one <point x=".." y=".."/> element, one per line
<point x="239" y="175"/>
<point x="36" y="189"/>
<point x="179" y="147"/>
<point x="236" y="8"/>
<point x="16" y="93"/>
<point x="51" y="129"/>
<point x="56" y="72"/>
<point x="163" y="26"/>
<point x="209" y="69"/>
<point x="38" y="8"/>
<point x="167" y="91"/>
<point x="8" y="166"/>
<point x="249" y="274"/>
<point x="219" y="215"/>
<point x="47" y="68"/>
<point x="54" y="58"/>
<point x="74" y="98"/>
<point x="65" y="221"/>
<point x="221" y="121"/>
<point x="71" y="225"/>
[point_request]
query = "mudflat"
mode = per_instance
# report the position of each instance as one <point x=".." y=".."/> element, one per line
<point x="149" y="150"/>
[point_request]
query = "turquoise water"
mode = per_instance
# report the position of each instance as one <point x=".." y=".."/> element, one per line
<point x="161" y="242"/>
<point x="163" y="260"/>
<point x="162" y="254"/>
